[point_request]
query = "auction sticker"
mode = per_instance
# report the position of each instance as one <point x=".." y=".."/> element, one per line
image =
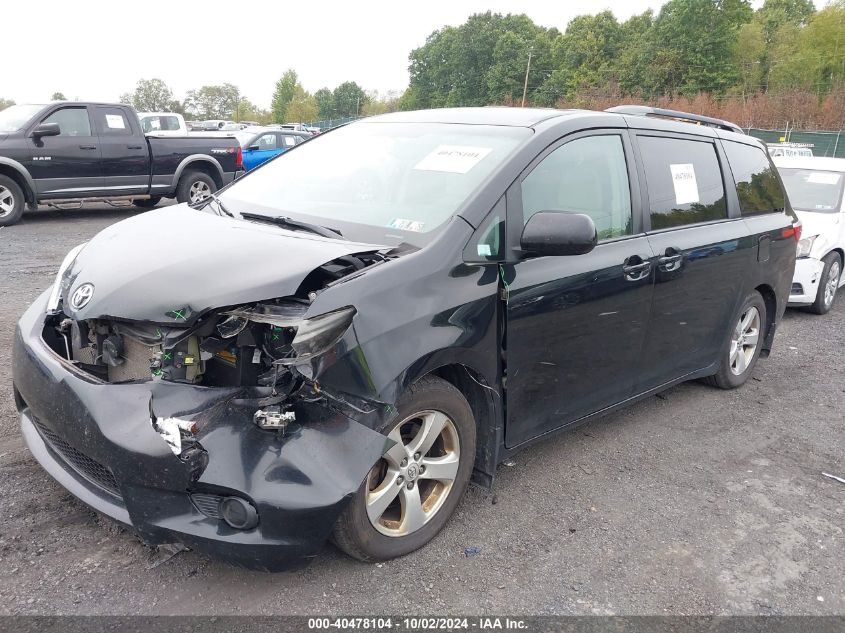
<point x="406" y="225"/>
<point x="455" y="159"/>
<point x="686" y="187"/>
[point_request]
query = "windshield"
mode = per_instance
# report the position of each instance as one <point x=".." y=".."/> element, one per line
<point x="15" y="117"/>
<point x="813" y="190"/>
<point x="383" y="183"/>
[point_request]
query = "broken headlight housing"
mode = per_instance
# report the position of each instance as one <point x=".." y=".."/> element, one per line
<point x="62" y="278"/>
<point x="318" y="334"/>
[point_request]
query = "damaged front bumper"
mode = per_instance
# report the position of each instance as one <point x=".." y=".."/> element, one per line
<point x="97" y="440"/>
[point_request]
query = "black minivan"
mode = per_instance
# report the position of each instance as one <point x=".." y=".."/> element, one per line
<point x="343" y="338"/>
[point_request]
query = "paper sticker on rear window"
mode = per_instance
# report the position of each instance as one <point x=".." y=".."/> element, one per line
<point x="686" y="187"/>
<point x="455" y="159"/>
<point x="115" y="122"/>
<point x="823" y="178"/>
<point x="406" y="225"/>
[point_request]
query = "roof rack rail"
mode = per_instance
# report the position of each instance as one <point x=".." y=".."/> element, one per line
<point x="676" y="115"/>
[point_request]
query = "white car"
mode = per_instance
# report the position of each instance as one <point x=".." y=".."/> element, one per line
<point x="815" y="189"/>
<point x="163" y="123"/>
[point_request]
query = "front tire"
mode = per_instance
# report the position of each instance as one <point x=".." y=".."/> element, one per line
<point x="12" y="201"/>
<point x="745" y="340"/>
<point x="409" y="495"/>
<point x="195" y="186"/>
<point x="828" y="284"/>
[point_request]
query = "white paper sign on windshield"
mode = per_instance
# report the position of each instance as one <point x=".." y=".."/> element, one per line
<point x="823" y="178"/>
<point x="686" y="187"/>
<point x="455" y="159"/>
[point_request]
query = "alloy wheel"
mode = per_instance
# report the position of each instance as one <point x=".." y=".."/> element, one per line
<point x="744" y="341"/>
<point x="7" y="202"/>
<point x="407" y="487"/>
<point x="832" y="283"/>
<point x="199" y="191"/>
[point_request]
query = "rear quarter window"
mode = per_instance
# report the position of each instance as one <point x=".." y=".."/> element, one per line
<point x="757" y="184"/>
<point x="684" y="181"/>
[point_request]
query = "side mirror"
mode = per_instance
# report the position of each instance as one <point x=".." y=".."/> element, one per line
<point x="252" y="148"/>
<point x="46" y="129"/>
<point x="553" y="233"/>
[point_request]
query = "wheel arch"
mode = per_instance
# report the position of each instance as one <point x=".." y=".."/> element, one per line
<point x="199" y="162"/>
<point x="485" y="403"/>
<point x="17" y="172"/>
<point x="771" y="302"/>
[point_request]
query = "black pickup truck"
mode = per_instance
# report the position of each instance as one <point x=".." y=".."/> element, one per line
<point x="73" y="152"/>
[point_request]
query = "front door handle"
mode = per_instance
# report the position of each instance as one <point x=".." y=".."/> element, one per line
<point x="134" y="147"/>
<point x="635" y="268"/>
<point x="671" y="260"/>
<point x="87" y="147"/>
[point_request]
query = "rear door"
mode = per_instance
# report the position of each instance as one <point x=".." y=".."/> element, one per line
<point x="576" y="325"/>
<point x="67" y="165"/>
<point x="124" y="151"/>
<point x="703" y="253"/>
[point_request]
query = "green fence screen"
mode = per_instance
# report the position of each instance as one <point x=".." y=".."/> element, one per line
<point x="831" y="144"/>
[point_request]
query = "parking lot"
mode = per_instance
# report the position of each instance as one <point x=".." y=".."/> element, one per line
<point x="697" y="501"/>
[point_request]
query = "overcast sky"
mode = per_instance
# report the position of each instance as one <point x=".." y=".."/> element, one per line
<point x="98" y="49"/>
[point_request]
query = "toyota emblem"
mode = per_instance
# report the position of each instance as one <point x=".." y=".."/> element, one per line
<point x="82" y="296"/>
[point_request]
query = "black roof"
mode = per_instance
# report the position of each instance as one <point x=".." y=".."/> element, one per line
<point x="494" y="115"/>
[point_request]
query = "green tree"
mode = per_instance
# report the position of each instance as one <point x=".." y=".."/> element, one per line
<point x="633" y="62"/>
<point x="690" y="43"/>
<point x="463" y="66"/>
<point x="58" y="96"/>
<point x="812" y="57"/>
<point x="302" y="108"/>
<point x="5" y="103"/>
<point x="284" y="94"/>
<point x="212" y="102"/>
<point x="325" y="103"/>
<point x="150" y="95"/>
<point x="349" y="98"/>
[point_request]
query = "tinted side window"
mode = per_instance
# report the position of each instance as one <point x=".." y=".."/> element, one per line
<point x="112" y="122"/>
<point x="684" y="181"/>
<point x="72" y="121"/>
<point x="170" y="123"/>
<point x="588" y="175"/>
<point x="756" y="182"/>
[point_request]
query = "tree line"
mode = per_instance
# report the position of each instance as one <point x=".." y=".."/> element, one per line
<point x="783" y="63"/>
<point x="784" y="53"/>
<point x="290" y="102"/>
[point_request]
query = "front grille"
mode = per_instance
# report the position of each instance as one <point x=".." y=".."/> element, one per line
<point x="92" y="470"/>
<point x="208" y="504"/>
<point x="797" y="289"/>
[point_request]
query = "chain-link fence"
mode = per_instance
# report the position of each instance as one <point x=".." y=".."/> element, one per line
<point x="830" y="144"/>
<point x="327" y="124"/>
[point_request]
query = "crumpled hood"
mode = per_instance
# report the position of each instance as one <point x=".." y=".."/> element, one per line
<point x="170" y="265"/>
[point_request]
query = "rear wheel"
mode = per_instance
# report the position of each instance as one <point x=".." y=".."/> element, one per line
<point x="828" y="284"/>
<point x="411" y="492"/>
<point x="745" y="340"/>
<point x="195" y="186"/>
<point x="147" y="203"/>
<point x="11" y="201"/>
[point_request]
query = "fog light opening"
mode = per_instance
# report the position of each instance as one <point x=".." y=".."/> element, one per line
<point x="238" y="513"/>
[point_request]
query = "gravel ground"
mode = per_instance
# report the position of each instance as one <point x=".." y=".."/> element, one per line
<point x="693" y="502"/>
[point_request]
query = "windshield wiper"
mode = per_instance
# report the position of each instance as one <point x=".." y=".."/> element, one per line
<point x="290" y="223"/>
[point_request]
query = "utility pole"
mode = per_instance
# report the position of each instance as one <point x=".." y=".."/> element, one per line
<point x="525" y="85"/>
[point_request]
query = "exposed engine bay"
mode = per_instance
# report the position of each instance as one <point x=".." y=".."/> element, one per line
<point x="257" y="346"/>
